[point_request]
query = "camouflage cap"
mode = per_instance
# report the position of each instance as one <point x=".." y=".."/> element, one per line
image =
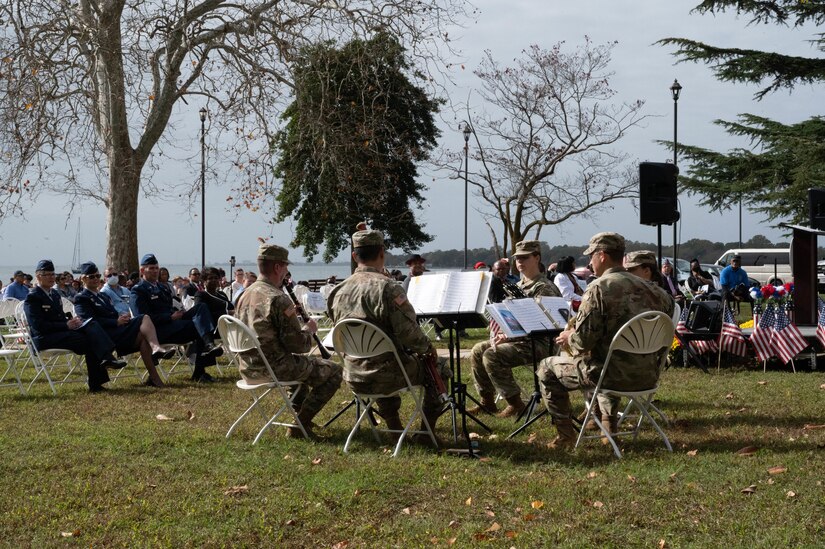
<point x="640" y="258"/>
<point x="605" y="241"/>
<point x="527" y="247"/>
<point x="273" y="252"/>
<point x="367" y="238"/>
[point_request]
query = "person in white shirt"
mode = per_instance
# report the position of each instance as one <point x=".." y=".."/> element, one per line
<point x="118" y="294"/>
<point x="238" y="283"/>
<point x="569" y="285"/>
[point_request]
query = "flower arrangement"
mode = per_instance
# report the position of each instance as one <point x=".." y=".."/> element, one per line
<point x="773" y="295"/>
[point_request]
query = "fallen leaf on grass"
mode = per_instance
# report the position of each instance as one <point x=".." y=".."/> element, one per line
<point x="161" y="417"/>
<point x="537" y="504"/>
<point x="762" y="382"/>
<point x="742" y="410"/>
<point x="468" y="501"/>
<point x="811" y="427"/>
<point x="729" y="396"/>
<point x="434" y="540"/>
<point x="495" y="527"/>
<point x="776" y="470"/>
<point x="474" y="436"/>
<point x="592" y="474"/>
<point x="532" y="438"/>
<point x="790" y="494"/>
<point x="72" y="534"/>
<point x="454" y="524"/>
<point x="291" y="522"/>
<point x="236" y="490"/>
<point x="489" y="513"/>
<point x="822" y="386"/>
<point x="749" y="490"/>
<point x="481" y="536"/>
<point x="406" y="511"/>
<point x="190" y="415"/>
<point x="672" y="477"/>
<point x="485" y="460"/>
<point x="693" y="453"/>
<point x="631" y="478"/>
<point x="511" y="534"/>
<point x="316" y="461"/>
<point x="341" y="545"/>
<point x="528" y="517"/>
<point x="747" y="451"/>
<point x="152" y="485"/>
<point x="770" y="481"/>
<point x="451" y="541"/>
<point x="662" y="544"/>
<point x="598" y="504"/>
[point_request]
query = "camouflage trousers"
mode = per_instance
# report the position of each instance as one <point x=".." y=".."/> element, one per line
<point x="493" y="368"/>
<point x="322" y="377"/>
<point x="558" y="375"/>
<point x="418" y="375"/>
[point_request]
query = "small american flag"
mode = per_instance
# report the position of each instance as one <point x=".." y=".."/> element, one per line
<point x="700" y="347"/>
<point x="495" y="329"/>
<point x="762" y="331"/>
<point x="732" y="339"/>
<point x="787" y="340"/>
<point x="820" y="324"/>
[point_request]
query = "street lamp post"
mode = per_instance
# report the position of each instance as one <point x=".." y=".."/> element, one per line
<point x="675" y="90"/>
<point x="467" y="131"/>
<point x="202" y="114"/>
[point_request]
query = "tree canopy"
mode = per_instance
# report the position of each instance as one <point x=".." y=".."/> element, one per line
<point x="782" y="161"/>
<point x="355" y="131"/>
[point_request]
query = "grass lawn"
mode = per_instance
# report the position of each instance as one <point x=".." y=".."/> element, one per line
<point x="103" y="470"/>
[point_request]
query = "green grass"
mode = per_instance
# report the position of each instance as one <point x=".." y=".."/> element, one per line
<point x="103" y="466"/>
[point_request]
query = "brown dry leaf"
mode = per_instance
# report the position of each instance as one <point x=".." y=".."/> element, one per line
<point x="822" y="386"/>
<point x="489" y="513"/>
<point x="72" y="534"/>
<point x="291" y="522"/>
<point x="598" y="504"/>
<point x="454" y="524"/>
<point x="749" y="490"/>
<point x="468" y="501"/>
<point x="537" y="504"/>
<point x="357" y="492"/>
<point x="528" y="517"/>
<point x="592" y="474"/>
<point x="152" y="485"/>
<point x="495" y="527"/>
<point x="511" y="534"/>
<point x="161" y="417"/>
<point x="451" y="541"/>
<point x="485" y="460"/>
<point x="729" y="396"/>
<point x="406" y="511"/>
<point x="762" y="382"/>
<point x="777" y="470"/>
<point x="341" y="545"/>
<point x="742" y="410"/>
<point x="672" y="477"/>
<point x="662" y="544"/>
<point x="693" y="453"/>
<point x="747" y="451"/>
<point x="790" y="494"/>
<point x="190" y="415"/>
<point x="474" y="436"/>
<point x="236" y="490"/>
<point x="770" y="481"/>
<point x="532" y="438"/>
<point x="631" y="478"/>
<point x="434" y="540"/>
<point x="316" y="461"/>
<point x="811" y="426"/>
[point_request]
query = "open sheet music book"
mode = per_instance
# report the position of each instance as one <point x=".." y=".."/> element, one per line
<point x="449" y="293"/>
<point x="521" y="317"/>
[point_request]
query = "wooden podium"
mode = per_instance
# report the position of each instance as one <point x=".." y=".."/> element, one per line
<point x="803" y="267"/>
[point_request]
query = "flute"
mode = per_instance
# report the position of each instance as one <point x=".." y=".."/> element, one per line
<point x="305" y="318"/>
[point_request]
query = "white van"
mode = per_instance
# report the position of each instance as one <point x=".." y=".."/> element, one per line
<point x="759" y="263"/>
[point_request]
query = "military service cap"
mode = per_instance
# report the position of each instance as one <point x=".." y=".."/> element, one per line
<point x="367" y="238"/>
<point x="273" y="252"/>
<point x="605" y="241"/>
<point x="640" y="258"/>
<point x="527" y="247"/>
<point x="45" y="265"/>
<point x="88" y="268"/>
<point x="149" y="259"/>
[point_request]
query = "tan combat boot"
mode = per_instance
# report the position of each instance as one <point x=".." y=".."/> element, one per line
<point x="612" y="424"/>
<point x="488" y="405"/>
<point x="591" y="425"/>
<point x="514" y="407"/>
<point x="566" y="438"/>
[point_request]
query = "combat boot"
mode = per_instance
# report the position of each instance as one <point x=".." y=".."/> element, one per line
<point x="591" y="425"/>
<point x="514" y="407"/>
<point x="488" y="405"/>
<point x="566" y="438"/>
<point x="612" y="424"/>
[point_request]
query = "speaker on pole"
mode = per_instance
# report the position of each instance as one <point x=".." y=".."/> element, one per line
<point x="657" y="193"/>
<point x="816" y="208"/>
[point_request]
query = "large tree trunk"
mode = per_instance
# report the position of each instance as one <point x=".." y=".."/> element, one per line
<point x="121" y="221"/>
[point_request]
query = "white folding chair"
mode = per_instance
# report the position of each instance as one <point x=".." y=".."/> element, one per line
<point x="238" y="338"/>
<point x="10" y="355"/>
<point x="359" y="339"/>
<point x="644" y="334"/>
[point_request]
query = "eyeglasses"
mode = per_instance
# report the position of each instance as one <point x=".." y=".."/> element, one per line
<point x="95" y="275"/>
<point x="194" y="274"/>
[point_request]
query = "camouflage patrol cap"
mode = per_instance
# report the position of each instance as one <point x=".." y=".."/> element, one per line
<point x="611" y="242"/>
<point x="640" y="258"/>
<point x="527" y="247"/>
<point x="367" y="238"/>
<point x="273" y="252"/>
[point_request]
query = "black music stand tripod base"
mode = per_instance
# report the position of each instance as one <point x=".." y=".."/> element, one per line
<point x="535" y="399"/>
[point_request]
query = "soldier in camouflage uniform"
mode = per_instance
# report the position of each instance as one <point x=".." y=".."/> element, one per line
<point x="272" y="315"/>
<point x="609" y="302"/>
<point x="370" y="295"/>
<point x="493" y="366"/>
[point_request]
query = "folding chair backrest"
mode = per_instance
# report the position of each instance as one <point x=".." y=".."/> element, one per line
<point x="643" y="334"/>
<point x="360" y="339"/>
<point x="677" y="313"/>
<point x="240" y="338"/>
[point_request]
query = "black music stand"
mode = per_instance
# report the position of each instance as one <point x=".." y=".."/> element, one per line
<point x="535" y="398"/>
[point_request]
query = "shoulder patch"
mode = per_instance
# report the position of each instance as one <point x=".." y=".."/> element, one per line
<point x="400" y="300"/>
<point x="290" y="311"/>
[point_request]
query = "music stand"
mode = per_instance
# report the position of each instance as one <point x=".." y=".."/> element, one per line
<point x="535" y="398"/>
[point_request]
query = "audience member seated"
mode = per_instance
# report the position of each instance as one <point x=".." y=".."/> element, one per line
<point x="64" y="285"/>
<point x="194" y="286"/>
<point x="117" y="294"/>
<point x="249" y="279"/>
<point x="50" y="329"/>
<point x="195" y="325"/>
<point x="569" y="284"/>
<point x="670" y="285"/>
<point x="500" y="271"/>
<point x="129" y="334"/>
<point x="238" y="283"/>
<point x="699" y="279"/>
<point x="734" y="281"/>
<point x="17" y="289"/>
<point x="218" y="304"/>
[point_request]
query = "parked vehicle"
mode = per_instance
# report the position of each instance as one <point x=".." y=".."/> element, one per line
<point x="762" y="264"/>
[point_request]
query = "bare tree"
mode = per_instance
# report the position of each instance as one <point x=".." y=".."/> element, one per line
<point x="549" y="107"/>
<point x="89" y="87"/>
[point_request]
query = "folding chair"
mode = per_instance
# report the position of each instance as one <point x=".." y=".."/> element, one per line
<point x="646" y="333"/>
<point x="315" y="305"/>
<point x="359" y="339"/>
<point x="239" y="338"/>
<point x="11" y="368"/>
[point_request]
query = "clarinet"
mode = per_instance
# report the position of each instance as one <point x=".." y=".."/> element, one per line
<point x="431" y="364"/>
<point x="513" y="290"/>
<point x="305" y="319"/>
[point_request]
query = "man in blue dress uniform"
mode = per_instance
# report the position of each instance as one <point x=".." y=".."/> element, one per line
<point x="51" y="330"/>
<point x="195" y="325"/>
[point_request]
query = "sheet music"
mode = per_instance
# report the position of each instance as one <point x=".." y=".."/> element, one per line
<point x="462" y="293"/>
<point x="558" y="310"/>
<point x="426" y="292"/>
<point x="506" y="320"/>
<point x="530" y="315"/>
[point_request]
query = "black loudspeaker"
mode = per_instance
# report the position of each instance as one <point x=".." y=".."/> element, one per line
<point x="704" y="317"/>
<point x="816" y="208"/>
<point x="657" y="193"/>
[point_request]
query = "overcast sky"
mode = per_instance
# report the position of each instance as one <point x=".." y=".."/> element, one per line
<point x="642" y="71"/>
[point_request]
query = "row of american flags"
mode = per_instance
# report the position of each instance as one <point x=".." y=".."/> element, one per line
<point x="774" y="334"/>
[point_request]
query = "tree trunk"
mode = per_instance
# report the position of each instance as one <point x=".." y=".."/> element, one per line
<point x="121" y="221"/>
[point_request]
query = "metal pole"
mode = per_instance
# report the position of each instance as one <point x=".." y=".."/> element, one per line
<point x="740" y="222"/>
<point x="675" y="223"/>
<point x="203" y="188"/>
<point x="466" y="166"/>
